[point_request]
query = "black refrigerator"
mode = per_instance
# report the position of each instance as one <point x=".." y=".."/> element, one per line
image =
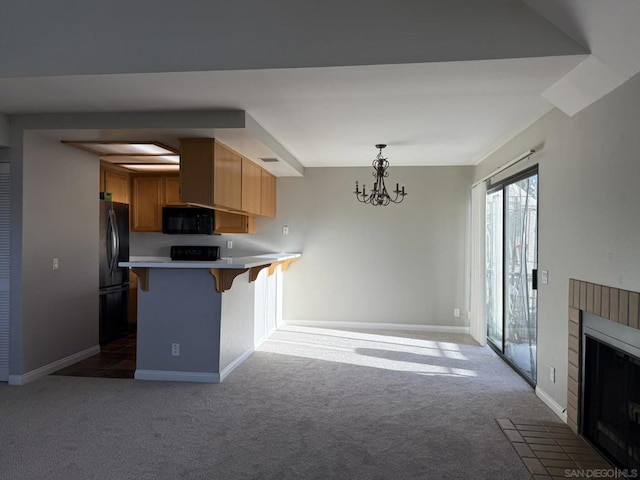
<point x="114" y="280"/>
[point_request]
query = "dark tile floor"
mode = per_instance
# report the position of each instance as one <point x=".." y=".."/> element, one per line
<point x="551" y="450"/>
<point x="116" y="359"/>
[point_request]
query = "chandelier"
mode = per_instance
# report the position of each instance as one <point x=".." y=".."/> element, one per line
<point x="379" y="195"/>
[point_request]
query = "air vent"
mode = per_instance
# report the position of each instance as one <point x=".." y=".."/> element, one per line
<point x="269" y="160"/>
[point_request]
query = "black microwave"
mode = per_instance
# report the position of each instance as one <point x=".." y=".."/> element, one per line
<point x="187" y="220"/>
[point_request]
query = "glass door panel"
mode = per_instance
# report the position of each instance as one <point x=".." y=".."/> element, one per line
<point x="493" y="308"/>
<point x="520" y="259"/>
<point x="511" y="259"/>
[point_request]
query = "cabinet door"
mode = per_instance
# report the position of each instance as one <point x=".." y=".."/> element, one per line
<point x="268" y="195"/>
<point x="227" y="178"/>
<point x="118" y="184"/>
<point x="196" y="171"/>
<point x="251" y="187"/>
<point x="146" y="211"/>
<point x="227" y="222"/>
<point x="171" y="187"/>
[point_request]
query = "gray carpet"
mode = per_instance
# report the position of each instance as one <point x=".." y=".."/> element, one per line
<point x="310" y="404"/>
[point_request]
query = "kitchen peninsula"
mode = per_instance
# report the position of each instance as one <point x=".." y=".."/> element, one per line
<point x="198" y="320"/>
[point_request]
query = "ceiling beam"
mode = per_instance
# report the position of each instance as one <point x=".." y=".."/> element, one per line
<point x="67" y="37"/>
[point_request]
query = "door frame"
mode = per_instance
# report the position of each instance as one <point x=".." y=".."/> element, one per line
<point x="492" y="187"/>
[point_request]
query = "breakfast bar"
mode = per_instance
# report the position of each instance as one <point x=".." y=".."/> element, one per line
<point x="199" y="320"/>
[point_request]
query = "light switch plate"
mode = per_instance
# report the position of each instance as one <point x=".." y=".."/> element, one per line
<point x="544" y="277"/>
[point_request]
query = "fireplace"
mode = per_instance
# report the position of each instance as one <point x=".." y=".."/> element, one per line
<point x="610" y="389"/>
<point x="617" y="307"/>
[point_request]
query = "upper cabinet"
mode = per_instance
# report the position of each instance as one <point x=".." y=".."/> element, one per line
<point x="149" y="193"/>
<point x="251" y="187"/>
<point x="146" y="204"/>
<point x="116" y="182"/>
<point x="227" y="178"/>
<point x="171" y="190"/>
<point x="210" y="174"/>
<point x="215" y="176"/>
<point x="225" y="222"/>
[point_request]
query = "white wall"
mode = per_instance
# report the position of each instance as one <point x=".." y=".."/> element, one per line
<point x="60" y="219"/>
<point x="589" y="224"/>
<point x="398" y="264"/>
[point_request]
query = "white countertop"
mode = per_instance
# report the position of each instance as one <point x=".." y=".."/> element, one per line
<point x="227" y="262"/>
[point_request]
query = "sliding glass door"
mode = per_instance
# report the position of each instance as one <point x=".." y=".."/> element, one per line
<point x="511" y="263"/>
<point x="493" y="242"/>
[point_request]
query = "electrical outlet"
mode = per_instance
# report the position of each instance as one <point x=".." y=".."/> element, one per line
<point x="456" y="312"/>
<point x="285" y="230"/>
<point x="55" y="265"/>
<point x="229" y="244"/>
<point x="552" y="374"/>
<point x="175" y="349"/>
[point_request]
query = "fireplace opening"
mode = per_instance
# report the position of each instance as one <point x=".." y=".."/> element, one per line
<point x="610" y="410"/>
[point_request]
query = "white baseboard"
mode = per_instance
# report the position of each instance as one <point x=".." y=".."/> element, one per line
<point x="236" y="363"/>
<point x="199" y="377"/>
<point x="552" y="404"/>
<point x="377" y="326"/>
<point x="257" y="343"/>
<point x="52" y="367"/>
<point x="202" y="377"/>
<point x="177" y="376"/>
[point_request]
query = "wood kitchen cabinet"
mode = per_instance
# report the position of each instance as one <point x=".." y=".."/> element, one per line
<point x="171" y="190"/>
<point x="149" y="193"/>
<point x="210" y="174"/>
<point x="226" y="222"/>
<point x="227" y="178"/>
<point x="251" y="187"/>
<point x="214" y="176"/>
<point x="116" y="182"/>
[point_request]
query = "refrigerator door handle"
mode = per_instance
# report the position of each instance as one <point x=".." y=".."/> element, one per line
<point x="109" y="240"/>
<point x="112" y="235"/>
<point x="116" y="252"/>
